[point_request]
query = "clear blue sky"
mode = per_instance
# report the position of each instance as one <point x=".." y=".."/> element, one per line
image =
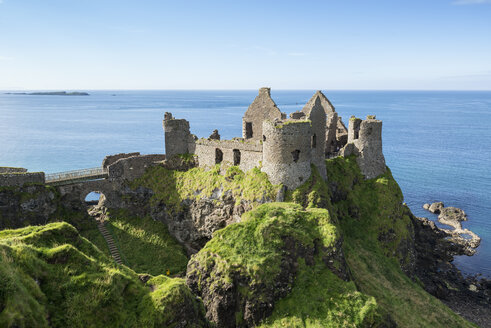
<point x="337" y="44"/>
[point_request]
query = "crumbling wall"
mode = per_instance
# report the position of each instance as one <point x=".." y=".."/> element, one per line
<point x="262" y="108"/>
<point x="133" y="167"/>
<point x="110" y="159"/>
<point x="245" y="154"/>
<point x="287" y="152"/>
<point x="177" y="136"/>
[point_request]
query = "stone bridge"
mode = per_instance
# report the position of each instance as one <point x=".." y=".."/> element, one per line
<point x="109" y="179"/>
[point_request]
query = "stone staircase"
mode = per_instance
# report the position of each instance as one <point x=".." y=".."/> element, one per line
<point x="110" y="242"/>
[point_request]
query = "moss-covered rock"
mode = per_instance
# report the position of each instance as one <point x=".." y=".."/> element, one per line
<point x="51" y="276"/>
<point x="248" y="266"/>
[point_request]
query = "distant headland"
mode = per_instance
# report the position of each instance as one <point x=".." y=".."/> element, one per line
<point x="50" y="93"/>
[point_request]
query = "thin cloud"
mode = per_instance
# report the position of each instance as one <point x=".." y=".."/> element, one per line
<point x="470" y="2"/>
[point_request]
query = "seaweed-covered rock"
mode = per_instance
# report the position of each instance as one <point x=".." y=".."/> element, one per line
<point x="248" y="266"/>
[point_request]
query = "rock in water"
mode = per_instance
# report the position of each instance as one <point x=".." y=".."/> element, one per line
<point x="436" y="207"/>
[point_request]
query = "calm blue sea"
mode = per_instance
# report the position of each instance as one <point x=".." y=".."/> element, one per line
<point x="437" y="144"/>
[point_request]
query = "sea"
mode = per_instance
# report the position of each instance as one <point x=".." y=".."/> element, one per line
<point x="437" y="143"/>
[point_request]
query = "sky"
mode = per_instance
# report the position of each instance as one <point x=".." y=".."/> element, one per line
<point x="180" y="44"/>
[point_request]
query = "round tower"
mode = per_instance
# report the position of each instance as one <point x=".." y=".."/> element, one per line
<point x="287" y="152"/>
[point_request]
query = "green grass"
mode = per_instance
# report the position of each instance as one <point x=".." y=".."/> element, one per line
<point x="172" y="187"/>
<point x="253" y="251"/>
<point x="146" y="245"/>
<point x="320" y="299"/>
<point x="51" y="276"/>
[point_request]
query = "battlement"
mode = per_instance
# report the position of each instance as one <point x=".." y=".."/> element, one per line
<point x="284" y="148"/>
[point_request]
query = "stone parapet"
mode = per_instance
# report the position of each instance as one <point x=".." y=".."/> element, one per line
<point x="12" y="170"/>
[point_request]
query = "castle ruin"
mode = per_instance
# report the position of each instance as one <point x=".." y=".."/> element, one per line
<point x="284" y="148"/>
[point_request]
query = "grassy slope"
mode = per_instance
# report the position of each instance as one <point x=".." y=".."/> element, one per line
<point x="51" y="276"/>
<point x="146" y="245"/>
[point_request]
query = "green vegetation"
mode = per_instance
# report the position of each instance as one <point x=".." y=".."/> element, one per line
<point x="254" y="251"/>
<point x="51" y="276"/>
<point x="146" y="245"/>
<point x="320" y="299"/>
<point x="376" y="227"/>
<point x="172" y="187"/>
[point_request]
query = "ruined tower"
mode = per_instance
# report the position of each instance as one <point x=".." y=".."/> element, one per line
<point x="177" y="136"/>
<point x="262" y="108"/>
<point x="365" y="140"/>
<point x="315" y="112"/>
<point x="287" y="151"/>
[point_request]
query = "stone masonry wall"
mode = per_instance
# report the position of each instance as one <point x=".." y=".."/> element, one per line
<point x="177" y="135"/>
<point x="110" y="159"/>
<point x="317" y="117"/>
<point x="20" y="179"/>
<point x="250" y="152"/>
<point x="365" y="141"/>
<point x="133" y="167"/>
<point x="12" y="170"/>
<point x="262" y="108"/>
<point x="287" y="152"/>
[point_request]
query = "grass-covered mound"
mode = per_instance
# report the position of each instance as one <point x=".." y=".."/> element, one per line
<point x="50" y="276"/>
<point x="171" y="187"/>
<point x="146" y="245"/>
<point x="278" y="249"/>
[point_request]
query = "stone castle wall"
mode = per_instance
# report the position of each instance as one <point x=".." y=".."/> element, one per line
<point x="12" y="170"/>
<point x="111" y="159"/>
<point x="20" y="179"/>
<point x="133" y="167"/>
<point x="287" y="152"/>
<point x="177" y="135"/>
<point x="262" y="108"/>
<point x="245" y="154"/>
<point x="365" y="141"/>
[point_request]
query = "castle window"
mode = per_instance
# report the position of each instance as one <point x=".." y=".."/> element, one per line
<point x="248" y="130"/>
<point x="218" y="156"/>
<point x="296" y="155"/>
<point x="236" y="157"/>
<point x="314" y="141"/>
<point x="264" y="138"/>
<point x="356" y="134"/>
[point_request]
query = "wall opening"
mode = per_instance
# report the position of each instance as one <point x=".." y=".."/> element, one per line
<point x="296" y="155"/>
<point x="236" y="157"/>
<point x="218" y="156"/>
<point x="264" y="138"/>
<point x="93" y="198"/>
<point x="248" y="130"/>
<point x="356" y="134"/>
<point x="314" y="141"/>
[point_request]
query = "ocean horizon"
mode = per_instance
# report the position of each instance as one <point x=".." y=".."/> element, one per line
<point x="436" y="143"/>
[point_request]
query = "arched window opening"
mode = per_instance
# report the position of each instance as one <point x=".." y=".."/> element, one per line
<point x="314" y="141"/>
